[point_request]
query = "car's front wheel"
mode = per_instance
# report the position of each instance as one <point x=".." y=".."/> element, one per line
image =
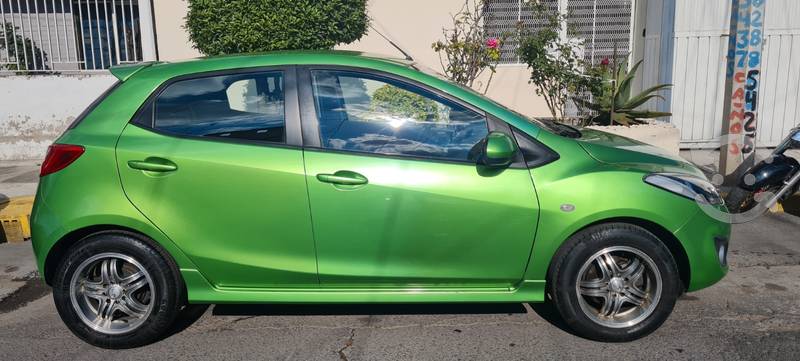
<point x="614" y="282"/>
<point x="114" y="290"/>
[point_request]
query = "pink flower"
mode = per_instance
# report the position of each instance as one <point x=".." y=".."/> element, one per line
<point x="605" y="62"/>
<point x="492" y="43"/>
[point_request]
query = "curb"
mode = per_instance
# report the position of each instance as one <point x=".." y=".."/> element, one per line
<point x="15" y="219"/>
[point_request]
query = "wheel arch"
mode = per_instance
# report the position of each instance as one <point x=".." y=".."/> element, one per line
<point x="73" y="238"/>
<point x="665" y="236"/>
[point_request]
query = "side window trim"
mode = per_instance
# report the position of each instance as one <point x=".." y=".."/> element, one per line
<point x="144" y="117"/>
<point x="534" y="153"/>
<point x="310" y="121"/>
<point x="387" y="75"/>
<point x="308" y="112"/>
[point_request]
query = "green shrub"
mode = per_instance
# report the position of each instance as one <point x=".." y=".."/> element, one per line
<point x="465" y="51"/>
<point x="556" y="66"/>
<point x="241" y="26"/>
<point x="399" y="102"/>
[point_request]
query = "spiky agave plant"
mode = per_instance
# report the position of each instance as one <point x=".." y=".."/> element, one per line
<point x="615" y="104"/>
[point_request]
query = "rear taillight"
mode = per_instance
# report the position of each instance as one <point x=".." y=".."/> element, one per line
<point x="59" y="156"/>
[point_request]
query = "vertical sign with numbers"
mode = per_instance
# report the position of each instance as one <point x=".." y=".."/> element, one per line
<point x="743" y="72"/>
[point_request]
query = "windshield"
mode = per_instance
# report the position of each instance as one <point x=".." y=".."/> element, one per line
<point x="546" y="124"/>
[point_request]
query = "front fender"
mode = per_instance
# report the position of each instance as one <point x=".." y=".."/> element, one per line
<point x="572" y="199"/>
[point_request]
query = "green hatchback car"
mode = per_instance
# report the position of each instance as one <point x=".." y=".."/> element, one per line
<point x="340" y="177"/>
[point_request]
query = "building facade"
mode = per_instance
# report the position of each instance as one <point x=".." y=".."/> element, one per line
<point x="53" y="55"/>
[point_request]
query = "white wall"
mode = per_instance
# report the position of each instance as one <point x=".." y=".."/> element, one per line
<point x="34" y="110"/>
<point x="779" y="91"/>
<point x="701" y="45"/>
<point x="696" y="67"/>
<point x="172" y="39"/>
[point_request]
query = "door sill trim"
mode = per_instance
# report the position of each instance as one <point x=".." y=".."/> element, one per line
<point x="200" y="291"/>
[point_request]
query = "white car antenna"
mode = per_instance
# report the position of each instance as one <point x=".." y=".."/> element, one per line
<point x="392" y="43"/>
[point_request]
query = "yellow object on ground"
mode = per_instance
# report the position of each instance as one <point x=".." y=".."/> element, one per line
<point x="15" y="219"/>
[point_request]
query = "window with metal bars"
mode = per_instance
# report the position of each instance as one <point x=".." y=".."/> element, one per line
<point x="68" y="35"/>
<point x="599" y="24"/>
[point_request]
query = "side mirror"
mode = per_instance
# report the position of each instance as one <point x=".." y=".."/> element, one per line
<point x="500" y="150"/>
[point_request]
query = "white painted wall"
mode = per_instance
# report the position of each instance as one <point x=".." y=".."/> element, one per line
<point x="34" y="110"/>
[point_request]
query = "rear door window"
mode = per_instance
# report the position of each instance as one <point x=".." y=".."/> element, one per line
<point x="236" y="106"/>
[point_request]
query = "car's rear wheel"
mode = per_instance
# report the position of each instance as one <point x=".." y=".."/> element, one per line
<point x="614" y="282"/>
<point x="114" y="290"/>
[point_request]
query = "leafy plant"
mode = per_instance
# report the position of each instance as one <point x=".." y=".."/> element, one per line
<point x="404" y="103"/>
<point x="614" y="103"/>
<point x="240" y="26"/>
<point x="557" y="69"/>
<point x="465" y="53"/>
<point x="28" y="55"/>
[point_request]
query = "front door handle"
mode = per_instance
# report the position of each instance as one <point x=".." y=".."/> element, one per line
<point x="343" y="177"/>
<point x="153" y="164"/>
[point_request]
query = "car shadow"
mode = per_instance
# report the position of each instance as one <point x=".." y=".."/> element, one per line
<point x="193" y="313"/>
<point x="187" y="317"/>
<point x="546" y="311"/>
<point x="549" y="313"/>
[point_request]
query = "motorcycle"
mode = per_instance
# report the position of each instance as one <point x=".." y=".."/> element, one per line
<point x="774" y="179"/>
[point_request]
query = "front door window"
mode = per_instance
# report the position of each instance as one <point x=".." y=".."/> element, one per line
<point x="368" y="113"/>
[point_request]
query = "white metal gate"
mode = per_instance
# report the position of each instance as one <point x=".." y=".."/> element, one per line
<point x="599" y="24"/>
<point x="779" y="91"/>
<point x="48" y="36"/>
<point x="697" y="69"/>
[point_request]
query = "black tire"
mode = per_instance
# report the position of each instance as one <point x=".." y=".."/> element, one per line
<point x="166" y="301"/>
<point x="580" y="249"/>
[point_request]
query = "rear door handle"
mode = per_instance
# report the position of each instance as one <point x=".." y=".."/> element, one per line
<point x="343" y="177"/>
<point x="153" y="164"/>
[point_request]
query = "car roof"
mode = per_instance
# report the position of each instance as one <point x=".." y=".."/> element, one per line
<point x="274" y="58"/>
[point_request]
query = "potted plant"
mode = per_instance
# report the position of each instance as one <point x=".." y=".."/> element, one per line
<point x="618" y="111"/>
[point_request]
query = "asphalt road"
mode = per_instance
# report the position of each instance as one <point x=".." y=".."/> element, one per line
<point x="754" y="313"/>
<point x="18" y="178"/>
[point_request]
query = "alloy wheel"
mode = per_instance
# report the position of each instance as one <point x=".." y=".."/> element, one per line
<point x="618" y="287"/>
<point x="112" y="293"/>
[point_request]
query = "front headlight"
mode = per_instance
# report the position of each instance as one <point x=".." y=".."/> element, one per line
<point x="688" y="186"/>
